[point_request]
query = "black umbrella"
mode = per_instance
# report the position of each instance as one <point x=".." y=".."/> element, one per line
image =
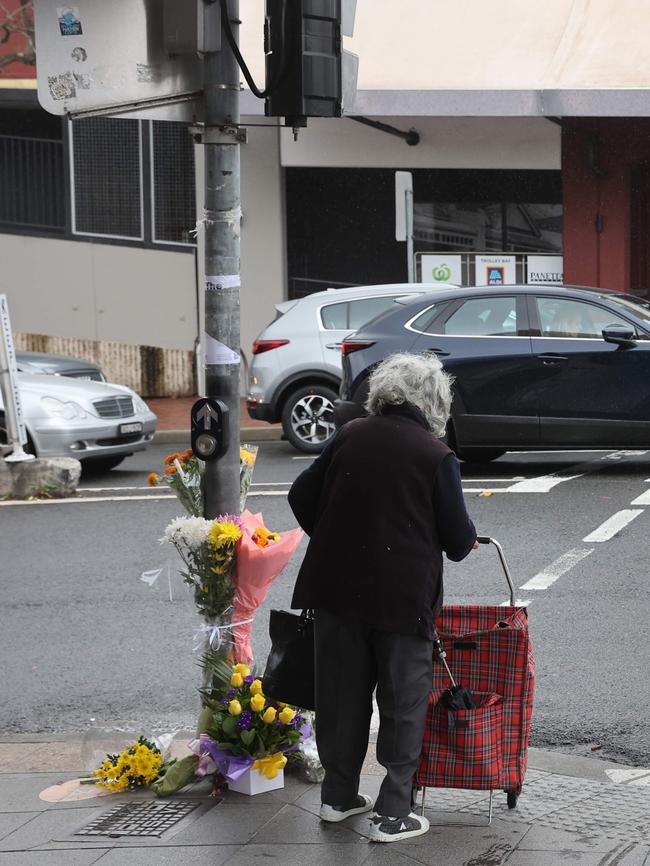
<point x="455" y="697"/>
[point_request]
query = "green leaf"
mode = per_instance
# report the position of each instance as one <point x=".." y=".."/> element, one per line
<point x="229" y="726"/>
<point x="205" y="720"/>
<point x="177" y="776"/>
<point x="248" y="737"/>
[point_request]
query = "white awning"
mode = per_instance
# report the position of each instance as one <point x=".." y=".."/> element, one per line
<point x="497" y="58"/>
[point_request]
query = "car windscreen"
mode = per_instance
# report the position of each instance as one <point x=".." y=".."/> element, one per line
<point x="631" y="304"/>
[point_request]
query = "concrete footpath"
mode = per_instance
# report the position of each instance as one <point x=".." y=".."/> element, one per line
<point x="577" y="811"/>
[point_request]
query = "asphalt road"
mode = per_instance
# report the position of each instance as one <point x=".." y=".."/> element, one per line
<point x="84" y="637"/>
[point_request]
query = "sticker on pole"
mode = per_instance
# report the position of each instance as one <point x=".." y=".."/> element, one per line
<point x="222" y="281"/>
<point x="219" y="353"/>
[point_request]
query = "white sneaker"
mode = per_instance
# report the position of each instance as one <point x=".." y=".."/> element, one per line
<point x="384" y="829"/>
<point x="361" y="803"/>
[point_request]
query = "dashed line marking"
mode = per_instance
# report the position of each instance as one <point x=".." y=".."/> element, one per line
<point x="613" y="525"/>
<point x="643" y="499"/>
<point x="519" y="602"/>
<point x="541" y="484"/>
<point x="548" y="575"/>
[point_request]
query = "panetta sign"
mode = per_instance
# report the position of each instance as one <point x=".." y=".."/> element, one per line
<point x="545" y="270"/>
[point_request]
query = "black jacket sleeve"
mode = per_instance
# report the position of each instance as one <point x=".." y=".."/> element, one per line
<point x="305" y="492"/>
<point x="455" y="529"/>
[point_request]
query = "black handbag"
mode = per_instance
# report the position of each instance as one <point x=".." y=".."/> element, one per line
<point x="289" y="674"/>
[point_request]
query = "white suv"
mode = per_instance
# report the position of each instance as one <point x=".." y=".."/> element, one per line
<point x="296" y="369"/>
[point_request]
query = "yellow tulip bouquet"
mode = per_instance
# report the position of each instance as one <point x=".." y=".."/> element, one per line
<point x="246" y="730"/>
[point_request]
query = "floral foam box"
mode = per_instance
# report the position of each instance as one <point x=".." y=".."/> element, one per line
<point x="253" y="782"/>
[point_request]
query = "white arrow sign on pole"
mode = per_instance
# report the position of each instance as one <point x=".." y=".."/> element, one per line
<point x="16" y="433"/>
<point x="204" y="414"/>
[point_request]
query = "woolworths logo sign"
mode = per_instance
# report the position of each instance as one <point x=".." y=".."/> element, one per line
<point x="441" y="273"/>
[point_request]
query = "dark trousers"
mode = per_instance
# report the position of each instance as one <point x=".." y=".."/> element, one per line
<point x="351" y="660"/>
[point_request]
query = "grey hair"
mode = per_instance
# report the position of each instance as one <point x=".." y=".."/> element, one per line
<point x="416" y="379"/>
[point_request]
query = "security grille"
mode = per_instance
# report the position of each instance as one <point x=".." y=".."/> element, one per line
<point x="32" y="181"/>
<point x="114" y="407"/>
<point x="173" y="188"/>
<point x="106" y="177"/>
<point x="147" y="818"/>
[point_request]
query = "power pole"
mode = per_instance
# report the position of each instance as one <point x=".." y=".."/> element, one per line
<point x="222" y="216"/>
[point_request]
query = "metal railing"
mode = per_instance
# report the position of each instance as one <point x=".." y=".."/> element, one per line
<point x="32" y="183"/>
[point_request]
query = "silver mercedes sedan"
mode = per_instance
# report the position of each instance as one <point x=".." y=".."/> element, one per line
<point x="97" y="422"/>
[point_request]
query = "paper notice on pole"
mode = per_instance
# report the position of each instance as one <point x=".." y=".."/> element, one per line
<point x="222" y="281"/>
<point x="219" y="353"/>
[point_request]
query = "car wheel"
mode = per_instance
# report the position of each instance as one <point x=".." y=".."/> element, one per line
<point x="479" y="455"/>
<point x="308" y="418"/>
<point x="97" y="465"/>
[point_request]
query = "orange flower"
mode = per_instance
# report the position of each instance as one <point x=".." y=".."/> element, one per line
<point x="168" y="460"/>
<point x="152" y="479"/>
<point x="187" y="455"/>
<point x="262" y="536"/>
<point x="170" y="470"/>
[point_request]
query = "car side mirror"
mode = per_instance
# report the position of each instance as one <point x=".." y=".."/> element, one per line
<point x="620" y="335"/>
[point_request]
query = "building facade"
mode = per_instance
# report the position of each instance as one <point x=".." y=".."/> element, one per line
<point x="532" y="146"/>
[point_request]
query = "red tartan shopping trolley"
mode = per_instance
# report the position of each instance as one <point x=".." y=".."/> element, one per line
<point x="488" y="650"/>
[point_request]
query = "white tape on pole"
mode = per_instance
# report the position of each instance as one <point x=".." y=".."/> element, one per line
<point x="16" y="432"/>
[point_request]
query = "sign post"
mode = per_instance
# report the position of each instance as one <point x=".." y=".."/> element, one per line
<point x="404" y="216"/>
<point x="16" y="432"/>
<point x="222" y="136"/>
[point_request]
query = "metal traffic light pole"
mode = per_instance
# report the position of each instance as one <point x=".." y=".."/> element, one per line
<point x="222" y="215"/>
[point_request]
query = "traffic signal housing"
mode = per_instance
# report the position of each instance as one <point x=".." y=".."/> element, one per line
<point x="304" y="58"/>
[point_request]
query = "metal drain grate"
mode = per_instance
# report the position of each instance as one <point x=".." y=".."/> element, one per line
<point x="148" y="818"/>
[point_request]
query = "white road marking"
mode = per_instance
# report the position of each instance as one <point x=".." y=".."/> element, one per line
<point x="504" y="480"/>
<point x="304" y="457"/>
<point x="619" y="455"/>
<point x="569" y="451"/>
<point x="613" y="525"/>
<point x="109" y="489"/>
<point x="485" y="490"/>
<point x="268" y="492"/>
<point x="541" y="484"/>
<point x="518" y="603"/>
<point x="643" y="499"/>
<point x="81" y="500"/>
<point x="544" y="578"/>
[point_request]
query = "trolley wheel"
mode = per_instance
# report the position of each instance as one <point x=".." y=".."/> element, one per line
<point x="512" y="799"/>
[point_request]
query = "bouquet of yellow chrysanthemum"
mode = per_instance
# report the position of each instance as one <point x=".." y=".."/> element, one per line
<point x="208" y="550"/>
<point x="183" y="474"/>
<point x="136" y="766"/>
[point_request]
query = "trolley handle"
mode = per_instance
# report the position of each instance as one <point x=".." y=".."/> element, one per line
<point x="485" y="539"/>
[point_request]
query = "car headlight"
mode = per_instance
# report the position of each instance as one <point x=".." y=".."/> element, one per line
<point x="59" y="409"/>
<point x="138" y="404"/>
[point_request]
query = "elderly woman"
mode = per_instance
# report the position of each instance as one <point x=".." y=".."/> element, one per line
<point x="381" y="504"/>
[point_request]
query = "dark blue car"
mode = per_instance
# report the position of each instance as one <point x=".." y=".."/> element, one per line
<point x="535" y="366"/>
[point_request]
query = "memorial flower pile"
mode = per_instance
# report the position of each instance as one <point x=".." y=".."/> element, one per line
<point x="137" y="766"/>
<point x="208" y="551"/>
<point x="183" y="473"/>
<point x="245" y="730"/>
